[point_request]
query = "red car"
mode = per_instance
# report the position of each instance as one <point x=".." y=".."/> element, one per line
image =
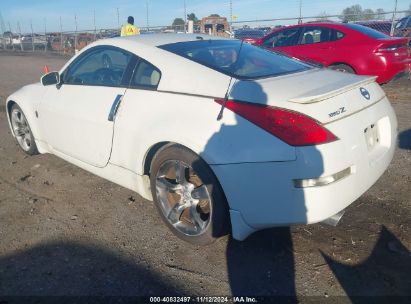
<point x="345" y="47"/>
<point x="249" y="35"/>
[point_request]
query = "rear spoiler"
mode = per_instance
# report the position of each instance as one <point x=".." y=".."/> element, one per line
<point x="323" y="93"/>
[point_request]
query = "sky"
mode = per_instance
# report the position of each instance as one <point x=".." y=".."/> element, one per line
<point x="43" y="14"/>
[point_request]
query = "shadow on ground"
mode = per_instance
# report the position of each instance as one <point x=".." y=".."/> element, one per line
<point x="263" y="265"/>
<point x="71" y="269"/>
<point x="405" y="140"/>
<point x="386" y="272"/>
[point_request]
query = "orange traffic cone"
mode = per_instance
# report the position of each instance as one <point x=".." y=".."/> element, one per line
<point x="46" y="69"/>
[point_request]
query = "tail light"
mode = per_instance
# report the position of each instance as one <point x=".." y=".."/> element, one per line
<point x="389" y="48"/>
<point x="259" y="42"/>
<point x="291" y="127"/>
<point x="392" y="46"/>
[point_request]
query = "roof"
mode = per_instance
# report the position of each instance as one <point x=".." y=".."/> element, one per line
<point x="161" y="39"/>
<point x="176" y="71"/>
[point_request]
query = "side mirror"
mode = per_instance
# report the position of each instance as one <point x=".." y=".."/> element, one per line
<point x="50" y="79"/>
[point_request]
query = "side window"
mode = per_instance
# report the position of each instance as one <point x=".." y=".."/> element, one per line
<point x="287" y="37"/>
<point x="100" y="67"/>
<point x="337" y="35"/>
<point x="316" y="35"/>
<point x="146" y="76"/>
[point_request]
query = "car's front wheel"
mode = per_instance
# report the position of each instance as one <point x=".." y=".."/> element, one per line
<point x="188" y="196"/>
<point x="22" y="131"/>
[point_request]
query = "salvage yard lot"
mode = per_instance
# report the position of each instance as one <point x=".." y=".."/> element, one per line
<point x="64" y="231"/>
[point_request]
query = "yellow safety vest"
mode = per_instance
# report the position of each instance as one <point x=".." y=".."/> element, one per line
<point x="129" y="30"/>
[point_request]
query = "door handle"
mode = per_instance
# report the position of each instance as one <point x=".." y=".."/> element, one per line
<point x="114" y="107"/>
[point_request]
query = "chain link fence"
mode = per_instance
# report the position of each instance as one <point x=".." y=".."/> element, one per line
<point x="68" y="42"/>
<point x="390" y="23"/>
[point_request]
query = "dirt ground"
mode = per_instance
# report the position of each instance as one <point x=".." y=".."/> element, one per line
<point x="64" y="231"/>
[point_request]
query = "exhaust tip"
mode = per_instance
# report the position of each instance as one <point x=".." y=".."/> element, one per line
<point x="334" y="220"/>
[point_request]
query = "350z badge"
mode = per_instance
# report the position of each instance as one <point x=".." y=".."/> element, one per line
<point x="338" y="112"/>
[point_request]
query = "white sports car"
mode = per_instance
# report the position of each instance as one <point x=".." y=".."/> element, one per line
<point x="218" y="133"/>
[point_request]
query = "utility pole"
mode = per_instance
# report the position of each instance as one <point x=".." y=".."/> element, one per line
<point x="45" y="35"/>
<point x="393" y="18"/>
<point x="75" y="33"/>
<point x="11" y="37"/>
<point x="2" y="26"/>
<point x="147" y="17"/>
<point x="231" y="16"/>
<point x="32" y="35"/>
<point x="185" y="17"/>
<point x="94" y="22"/>
<point x="3" y="30"/>
<point x="21" y="41"/>
<point x="118" y="18"/>
<point x="300" y="20"/>
<point x="61" y="36"/>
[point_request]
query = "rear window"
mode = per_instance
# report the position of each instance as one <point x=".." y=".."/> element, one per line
<point x="237" y="59"/>
<point x="381" y="27"/>
<point x="366" y="31"/>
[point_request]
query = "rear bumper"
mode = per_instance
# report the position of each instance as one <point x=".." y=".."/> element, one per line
<point x="263" y="195"/>
<point x="393" y="70"/>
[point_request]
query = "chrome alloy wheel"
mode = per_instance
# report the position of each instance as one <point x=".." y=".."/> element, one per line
<point x="183" y="198"/>
<point x="21" y="129"/>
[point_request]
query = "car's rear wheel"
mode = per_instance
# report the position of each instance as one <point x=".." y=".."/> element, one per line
<point x="342" y="68"/>
<point x="188" y="196"/>
<point x="22" y="131"/>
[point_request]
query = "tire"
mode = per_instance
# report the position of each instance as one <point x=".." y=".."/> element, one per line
<point x="342" y="68"/>
<point x="188" y="196"/>
<point x="21" y="130"/>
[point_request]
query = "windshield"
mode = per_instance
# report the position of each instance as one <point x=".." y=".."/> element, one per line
<point x="237" y="59"/>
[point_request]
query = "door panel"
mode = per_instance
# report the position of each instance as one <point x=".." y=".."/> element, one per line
<point x="317" y="44"/>
<point x="78" y="115"/>
<point x="76" y="122"/>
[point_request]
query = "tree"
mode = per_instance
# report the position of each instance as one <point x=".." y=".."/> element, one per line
<point x="356" y="13"/>
<point x="380" y="14"/>
<point x="322" y="16"/>
<point x="352" y="13"/>
<point x="368" y="14"/>
<point x="214" y="15"/>
<point x="178" y="22"/>
<point x="192" y="17"/>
